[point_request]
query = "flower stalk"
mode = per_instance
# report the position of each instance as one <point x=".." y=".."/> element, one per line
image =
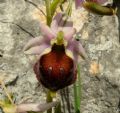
<point x="49" y="99"/>
<point x="77" y="92"/>
<point x="58" y="108"/>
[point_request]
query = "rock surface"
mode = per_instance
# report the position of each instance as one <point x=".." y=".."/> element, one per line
<point x="100" y="73"/>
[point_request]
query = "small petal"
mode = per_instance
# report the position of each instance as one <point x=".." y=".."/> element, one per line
<point x="47" y="32"/>
<point x="37" y="50"/>
<point x="69" y="32"/>
<point x="77" y="48"/>
<point x="56" y="21"/>
<point x="58" y="17"/>
<point x="54" y="26"/>
<point x="61" y="20"/>
<point x="34" y="42"/>
<point x="66" y="23"/>
<point x="80" y="50"/>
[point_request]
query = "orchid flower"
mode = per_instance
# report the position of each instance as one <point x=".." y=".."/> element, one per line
<point x="59" y="51"/>
<point x="97" y="7"/>
<point x="27" y="107"/>
<point x="78" y="3"/>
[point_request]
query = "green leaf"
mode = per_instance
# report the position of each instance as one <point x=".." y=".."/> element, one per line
<point x="54" y="6"/>
<point x="48" y="12"/>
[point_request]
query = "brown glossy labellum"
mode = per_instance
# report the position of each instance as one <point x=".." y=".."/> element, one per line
<point x="55" y="70"/>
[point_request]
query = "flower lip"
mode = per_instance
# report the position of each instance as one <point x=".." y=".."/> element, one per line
<point x="56" y="69"/>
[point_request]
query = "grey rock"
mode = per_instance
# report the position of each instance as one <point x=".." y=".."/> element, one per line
<point x="16" y="27"/>
<point x="100" y="94"/>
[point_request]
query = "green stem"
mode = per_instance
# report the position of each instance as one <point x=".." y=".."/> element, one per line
<point x="48" y="12"/>
<point x="49" y="99"/>
<point x="77" y="92"/>
<point x="58" y="108"/>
